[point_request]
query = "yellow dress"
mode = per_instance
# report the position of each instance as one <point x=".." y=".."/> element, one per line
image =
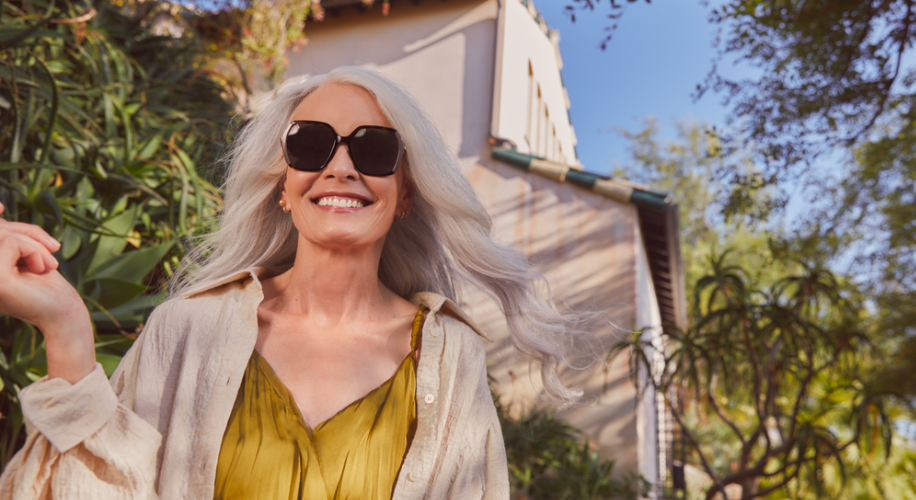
<point x="269" y="452"/>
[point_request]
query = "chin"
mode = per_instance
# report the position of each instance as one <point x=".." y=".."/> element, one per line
<point x="344" y="238"/>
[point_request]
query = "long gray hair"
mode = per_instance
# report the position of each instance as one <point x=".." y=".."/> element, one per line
<point x="444" y="244"/>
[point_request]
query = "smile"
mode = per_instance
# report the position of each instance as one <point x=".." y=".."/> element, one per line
<point x="340" y="202"/>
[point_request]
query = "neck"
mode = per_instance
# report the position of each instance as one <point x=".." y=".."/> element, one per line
<point x="328" y="285"/>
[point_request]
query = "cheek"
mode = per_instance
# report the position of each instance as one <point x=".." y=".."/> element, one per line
<point x="387" y="191"/>
<point x="298" y="183"/>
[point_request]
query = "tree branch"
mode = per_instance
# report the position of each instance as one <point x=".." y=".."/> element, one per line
<point x="770" y="489"/>
<point x="693" y="440"/>
<point x="889" y="82"/>
<point x="710" y="397"/>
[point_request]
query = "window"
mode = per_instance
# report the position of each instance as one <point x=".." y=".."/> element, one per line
<point x="553" y="143"/>
<point x="528" y="104"/>
<point x="545" y="144"/>
<point x="537" y="131"/>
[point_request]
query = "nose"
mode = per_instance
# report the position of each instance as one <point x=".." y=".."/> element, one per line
<point x="341" y="165"/>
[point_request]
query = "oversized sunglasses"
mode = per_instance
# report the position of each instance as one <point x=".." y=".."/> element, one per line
<point x="310" y="145"/>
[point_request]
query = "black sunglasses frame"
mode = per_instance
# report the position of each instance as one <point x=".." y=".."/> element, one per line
<point x="402" y="148"/>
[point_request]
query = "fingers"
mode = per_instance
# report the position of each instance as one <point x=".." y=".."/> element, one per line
<point x="31" y="230"/>
<point x="35" y="260"/>
<point x="17" y="249"/>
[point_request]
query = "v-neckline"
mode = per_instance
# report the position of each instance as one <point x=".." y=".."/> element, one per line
<point x="284" y="391"/>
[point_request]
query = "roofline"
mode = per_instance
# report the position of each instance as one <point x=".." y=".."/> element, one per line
<point x="662" y="240"/>
<point x="617" y="189"/>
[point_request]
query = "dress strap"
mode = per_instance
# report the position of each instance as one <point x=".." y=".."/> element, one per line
<point x="416" y="333"/>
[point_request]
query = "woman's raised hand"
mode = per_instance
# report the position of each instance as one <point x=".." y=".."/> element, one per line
<point x="32" y="290"/>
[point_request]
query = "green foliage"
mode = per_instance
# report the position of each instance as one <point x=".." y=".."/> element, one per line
<point x="550" y="460"/>
<point x="686" y="167"/>
<point x="831" y="109"/>
<point x="102" y="129"/>
<point x="750" y="291"/>
<point x="837" y="83"/>
<point x="784" y="372"/>
<point x="831" y="70"/>
<point x="248" y="40"/>
<point x="831" y="112"/>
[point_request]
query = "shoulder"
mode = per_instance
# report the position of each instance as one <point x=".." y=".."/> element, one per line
<point x="183" y="314"/>
<point x="463" y="365"/>
<point x="441" y="306"/>
<point x="460" y="334"/>
<point x="462" y="341"/>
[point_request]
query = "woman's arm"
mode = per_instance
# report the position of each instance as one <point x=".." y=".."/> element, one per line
<point x="82" y="443"/>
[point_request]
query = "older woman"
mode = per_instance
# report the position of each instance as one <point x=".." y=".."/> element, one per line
<point x="310" y="348"/>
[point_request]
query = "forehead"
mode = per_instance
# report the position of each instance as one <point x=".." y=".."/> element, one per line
<point x="343" y="106"/>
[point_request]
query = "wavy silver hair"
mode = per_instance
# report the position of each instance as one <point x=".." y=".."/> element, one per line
<point x="445" y="244"/>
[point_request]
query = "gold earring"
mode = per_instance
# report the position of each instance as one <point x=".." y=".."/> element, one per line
<point x="282" y="203"/>
<point x="403" y="214"/>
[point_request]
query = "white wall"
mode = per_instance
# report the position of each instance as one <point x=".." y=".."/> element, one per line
<point x="524" y="42"/>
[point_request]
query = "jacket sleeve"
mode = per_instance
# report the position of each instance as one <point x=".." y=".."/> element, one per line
<point x="83" y="442"/>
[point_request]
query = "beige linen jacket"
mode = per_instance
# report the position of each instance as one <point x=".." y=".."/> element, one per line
<point x="155" y="429"/>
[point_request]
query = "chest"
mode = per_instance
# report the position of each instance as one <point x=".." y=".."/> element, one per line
<point x="326" y="368"/>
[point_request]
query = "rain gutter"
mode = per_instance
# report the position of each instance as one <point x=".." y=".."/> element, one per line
<point x="616" y="189"/>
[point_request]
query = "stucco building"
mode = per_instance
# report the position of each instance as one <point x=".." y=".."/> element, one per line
<point x="489" y="73"/>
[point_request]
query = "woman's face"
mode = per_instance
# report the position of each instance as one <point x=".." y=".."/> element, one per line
<point x="344" y="107"/>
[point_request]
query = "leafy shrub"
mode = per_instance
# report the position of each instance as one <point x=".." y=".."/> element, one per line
<point x="103" y="126"/>
<point x="551" y="460"/>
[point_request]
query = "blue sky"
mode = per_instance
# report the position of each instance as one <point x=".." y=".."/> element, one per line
<point x="658" y="55"/>
<point x="651" y="67"/>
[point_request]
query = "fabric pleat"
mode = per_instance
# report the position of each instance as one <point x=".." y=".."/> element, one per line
<point x="269" y="452"/>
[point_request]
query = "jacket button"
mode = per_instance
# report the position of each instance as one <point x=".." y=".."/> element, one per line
<point x="413" y="476"/>
<point x="429" y="399"/>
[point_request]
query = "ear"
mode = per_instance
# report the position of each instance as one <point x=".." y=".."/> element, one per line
<point x="408" y="191"/>
<point x="281" y="187"/>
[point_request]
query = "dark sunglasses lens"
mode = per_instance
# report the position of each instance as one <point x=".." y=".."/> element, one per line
<point x="309" y="145"/>
<point x="375" y="151"/>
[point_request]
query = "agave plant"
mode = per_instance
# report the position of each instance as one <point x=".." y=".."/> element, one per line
<point x="103" y="130"/>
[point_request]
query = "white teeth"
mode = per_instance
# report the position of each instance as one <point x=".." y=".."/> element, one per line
<point x="336" y="201"/>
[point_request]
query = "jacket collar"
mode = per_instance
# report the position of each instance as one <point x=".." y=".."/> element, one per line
<point x="432" y="301"/>
<point x="254" y="272"/>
